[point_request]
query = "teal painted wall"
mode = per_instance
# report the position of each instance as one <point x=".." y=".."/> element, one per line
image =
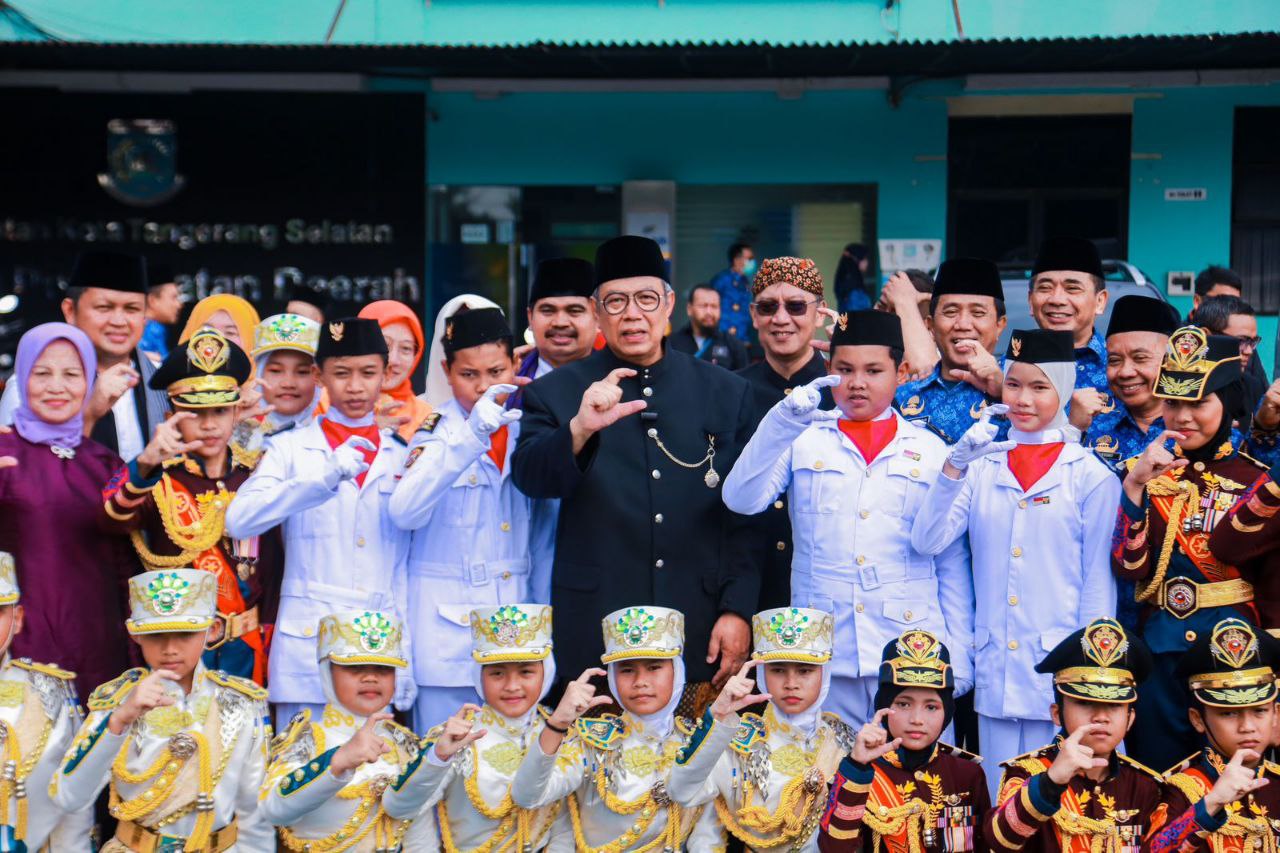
<point x="524" y="21"/>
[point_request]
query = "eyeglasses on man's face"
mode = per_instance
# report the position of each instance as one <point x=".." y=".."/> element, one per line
<point x="1248" y="344"/>
<point x="794" y="307"/>
<point x="646" y="300"/>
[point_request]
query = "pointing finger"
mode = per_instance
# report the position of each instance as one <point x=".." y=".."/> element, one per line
<point x="597" y="701"/>
<point x="588" y="674"/>
<point x="167" y="674"/>
<point x="878" y="719"/>
<point x="746" y="668"/>
<point x="1243" y="755"/>
<point x="500" y="388"/>
<point x="994" y="409"/>
<point x="829" y="381"/>
<point x="180" y="416"/>
<point x="630" y="408"/>
<point x="469" y="708"/>
<point x="618" y="374"/>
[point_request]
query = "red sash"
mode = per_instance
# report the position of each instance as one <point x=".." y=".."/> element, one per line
<point x="885" y="793"/>
<point x="1195" y="545"/>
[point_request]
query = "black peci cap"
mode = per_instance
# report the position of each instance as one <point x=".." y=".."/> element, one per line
<point x="1041" y="346"/>
<point x="109" y="270"/>
<point x="629" y="257"/>
<point x="350" y="336"/>
<point x="969" y="277"/>
<point x="1135" y="313"/>
<point x="867" y="328"/>
<point x="563" y="277"/>
<point x="1068" y="253"/>
<point x="473" y="328"/>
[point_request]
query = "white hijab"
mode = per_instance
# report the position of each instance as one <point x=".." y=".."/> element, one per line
<point x="1062" y="375"/>
<point x="548" y="679"/>
<point x="661" y="722"/>
<point x="806" y="722"/>
<point x="273" y="419"/>
<point x="438" y="391"/>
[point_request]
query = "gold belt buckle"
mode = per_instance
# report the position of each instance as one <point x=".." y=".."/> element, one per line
<point x="235" y="626"/>
<point x="1181" y="597"/>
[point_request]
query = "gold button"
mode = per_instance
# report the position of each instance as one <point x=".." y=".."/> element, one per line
<point x="782" y="546"/>
<point x="1013" y="601"/>
<point x="859" y="608"/>
<point x="360" y="542"/>
<point x="506" y="576"/>
<point x="818" y="466"/>
<point x="472" y="479"/>
<point x="861" y="560"/>
<point x="1199" y="466"/>
<point x="506" y="527"/>
<point x="866" y="513"/>
<point x="1013" y="645"/>
<point x="1022" y="504"/>
<point x="1191" y="636"/>
<point x="915" y="472"/>
<point x="308" y="632"/>
<point x="778" y="504"/>
<point x="1017" y="552"/>
<point x="787" y="392"/>
<point x="906" y="614"/>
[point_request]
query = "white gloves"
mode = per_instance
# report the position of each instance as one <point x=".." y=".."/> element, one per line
<point x="802" y="403"/>
<point x="488" y="416"/>
<point x="406" y="690"/>
<point x="346" y="462"/>
<point x="979" y="439"/>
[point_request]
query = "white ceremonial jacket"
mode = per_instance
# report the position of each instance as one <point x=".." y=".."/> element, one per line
<point x="230" y="713"/>
<point x="342" y="551"/>
<point x="374" y="802"/>
<point x="471" y="532"/>
<point x="851" y="528"/>
<point x="618" y="753"/>
<point x="768" y="755"/>
<point x="39" y="711"/>
<point x="1041" y="566"/>
<point x="487" y="767"/>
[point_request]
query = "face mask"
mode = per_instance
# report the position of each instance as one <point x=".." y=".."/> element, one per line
<point x="750" y="267"/>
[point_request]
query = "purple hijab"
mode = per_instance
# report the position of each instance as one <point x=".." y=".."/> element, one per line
<point x="32" y="344"/>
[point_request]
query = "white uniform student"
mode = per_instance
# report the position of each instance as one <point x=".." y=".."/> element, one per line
<point x="39" y="716"/>
<point x="619" y="775"/>
<point x="330" y="484"/>
<point x="282" y="345"/>
<point x="471" y="759"/>
<point x="186" y="766"/>
<point x="1039" y="510"/>
<point x="767" y="794"/>
<point x="471" y="526"/>
<point x="851" y="519"/>
<point x="344" y="776"/>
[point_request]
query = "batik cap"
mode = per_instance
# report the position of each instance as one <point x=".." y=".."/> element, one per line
<point x="1098" y="663"/>
<point x="793" y="634"/>
<point x="801" y="272"/>
<point x="916" y="659"/>
<point x="643" y="632"/>
<point x="511" y="633"/>
<point x="286" y="332"/>
<point x="355" y="637"/>
<point x="1232" y="667"/>
<point x="8" y="579"/>
<point x="173" y="600"/>
<point x="1197" y="363"/>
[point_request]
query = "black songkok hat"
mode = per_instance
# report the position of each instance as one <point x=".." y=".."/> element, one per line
<point x="108" y="270"/>
<point x="1098" y="663"/>
<point x="970" y="277"/>
<point x="350" y="336"/>
<point x="159" y="273"/>
<point x="867" y="328"/>
<point x="563" y="277"/>
<point x="1231" y="667"/>
<point x="628" y="257"/>
<point x="1041" y="346"/>
<point x="1068" y="253"/>
<point x="300" y="292"/>
<point x="1197" y="363"/>
<point x="1135" y="313"/>
<point x="204" y="374"/>
<point x="473" y="328"/>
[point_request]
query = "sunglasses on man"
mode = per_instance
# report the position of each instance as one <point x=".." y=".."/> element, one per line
<point x="794" y="307"/>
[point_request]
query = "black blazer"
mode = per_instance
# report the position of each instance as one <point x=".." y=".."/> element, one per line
<point x="634" y="526"/>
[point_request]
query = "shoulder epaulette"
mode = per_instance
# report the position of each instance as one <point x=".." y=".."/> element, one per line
<point x="686" y="726"/>
<point x="1033" y="755"/>
<point x="44" y="668"/>
<point x="845" y="735"/>
<point x="1180" y="766"/>
<point x="429" y="425"/>
<point x="299" y="723"/>
<point x="1137" y="765"/>
<point x="399" y="439"/>
<point x="405" y="738"/>
<point x="1272" y="767"/>
<point x="432" y="735"/>
<point x="751" y="727"/>
<point x="238" y="684"/>
<point x="952" y="749"/>
<point x="602" y="732"/>
<point x="107" y="696"/>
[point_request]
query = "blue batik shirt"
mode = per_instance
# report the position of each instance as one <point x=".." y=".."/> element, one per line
<point x="948" y="408"/>
<point x="1091" y="364"/>
<point x="735" y="300"/>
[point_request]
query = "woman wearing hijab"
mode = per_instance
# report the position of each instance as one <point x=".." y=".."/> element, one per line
<point x="233" y="317"/>
<point x="850" y="287"/>
<point x="473" y="755"/>
<point x="403" y="333"/>
<point x="1182" y="486"/>
<point x="74" y="575"/>
<point x="769" y="796"/>
<point x="438" y="391"/>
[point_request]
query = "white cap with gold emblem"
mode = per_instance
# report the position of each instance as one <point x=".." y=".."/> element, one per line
<point x="643" y="632"/>
<point x="793" y="634"/>
<point x="511" y="633"/>
<point x="286" y="332"/>
<point x="355" y="637"/>
<point x="173" y="600"/>
<point x="8" y="579"/>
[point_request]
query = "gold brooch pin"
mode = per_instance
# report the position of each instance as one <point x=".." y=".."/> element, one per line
<point x="337" y="330"/>
<point x="1015" y="347"/>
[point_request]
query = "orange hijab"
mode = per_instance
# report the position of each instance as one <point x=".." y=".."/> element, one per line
<point x="244" y="315"/>
<point x="388" y="312"/>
